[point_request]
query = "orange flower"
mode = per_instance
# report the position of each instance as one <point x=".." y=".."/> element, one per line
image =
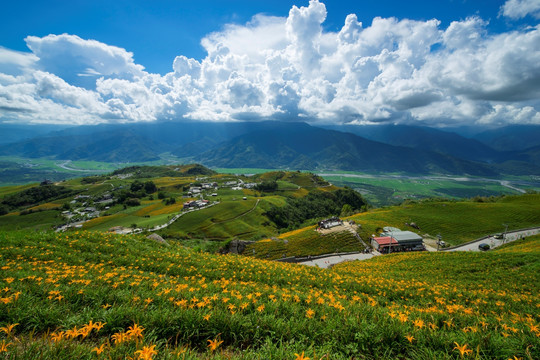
<point x="135" y="331"/>
<point x="147" y="352"/>
<point x="419" y="323"/>
<point x="4" y="346"/>
<point x="100" y="349"/>
<point x="301" y="356"/>
<point x="410" y="338"/>
<point x="214" y="344"/>
<point x="463" y="349"/>
<point x="8" y="329"/>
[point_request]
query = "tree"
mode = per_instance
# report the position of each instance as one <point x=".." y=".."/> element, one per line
<point x="267" y="186"/>
<point x="170" y="201"/>
<point x="346" y="210"/>
<point x="136" y="186"/>
<point x="150" y="187"/>
<point x="132" y="202"/>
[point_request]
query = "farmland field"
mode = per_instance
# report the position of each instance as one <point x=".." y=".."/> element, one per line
<point x="383" y="190"/>
<point x="88" y="295"/>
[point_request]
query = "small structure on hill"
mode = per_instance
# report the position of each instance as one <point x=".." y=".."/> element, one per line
<point x="330" y="223"/>
<point x="195" y="204"/>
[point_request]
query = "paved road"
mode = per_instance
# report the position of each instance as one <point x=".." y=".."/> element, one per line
<point x="325" y="263"/>
<point x="493" y="243"/>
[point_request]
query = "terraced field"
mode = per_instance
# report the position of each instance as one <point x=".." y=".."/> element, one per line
<point x="307" y="242"/>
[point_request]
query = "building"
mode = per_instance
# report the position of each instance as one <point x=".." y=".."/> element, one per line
<point x="330" y="223"/>
<point x="196" y="204"/>
<point x="384" y="244"/>
<point x="393" y="239"/>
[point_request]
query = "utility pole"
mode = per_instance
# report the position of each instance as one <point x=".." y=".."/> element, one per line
<point x="438" y="241"/>
<point x="505" y="231"/>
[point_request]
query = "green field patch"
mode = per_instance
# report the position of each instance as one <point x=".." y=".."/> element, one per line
<point x="285" y="185"/>
<point x="39" y="220"/>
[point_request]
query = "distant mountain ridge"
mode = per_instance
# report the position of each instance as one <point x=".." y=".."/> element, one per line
<point x="293" y="145"/>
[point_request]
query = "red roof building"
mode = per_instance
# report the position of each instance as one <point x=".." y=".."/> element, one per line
<point x="380" y="243"/>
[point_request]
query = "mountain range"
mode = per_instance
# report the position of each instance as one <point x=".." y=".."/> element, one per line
<point x="293" y="145"/>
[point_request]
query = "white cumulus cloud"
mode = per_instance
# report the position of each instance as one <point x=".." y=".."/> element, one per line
<point x="290" y="68"/>
<point x="518" y="9"/>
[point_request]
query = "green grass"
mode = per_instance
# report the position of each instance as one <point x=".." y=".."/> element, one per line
<point x="40" y="220"/>
<point x="400" y="306"/>
<point x="456" y="221"/>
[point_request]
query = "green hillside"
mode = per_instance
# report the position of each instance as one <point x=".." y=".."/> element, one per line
<point x="89" y="295"/>
<point x="143" y="197"/>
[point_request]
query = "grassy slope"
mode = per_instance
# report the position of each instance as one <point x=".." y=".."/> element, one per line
<point x="459" y="221"/>
<point x="240" y="218"/>
<point x="53" y="284"/>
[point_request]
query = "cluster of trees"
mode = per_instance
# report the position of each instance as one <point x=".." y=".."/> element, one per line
<point x="267" y="186"/>
<point x="136" y="191"/>
<point x="317" y="204"/>
<point x="33" y="196"/>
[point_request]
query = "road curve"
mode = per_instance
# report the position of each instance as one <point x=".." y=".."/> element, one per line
<point x="493" y="243"/>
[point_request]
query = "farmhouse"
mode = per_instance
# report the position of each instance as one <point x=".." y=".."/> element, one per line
<point x="195" y="204"/>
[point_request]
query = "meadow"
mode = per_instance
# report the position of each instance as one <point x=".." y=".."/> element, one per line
<point x="90" y="295"/>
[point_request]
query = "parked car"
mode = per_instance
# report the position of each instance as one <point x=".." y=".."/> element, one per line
<point x="498" y="236"/>
<point x="484" y="247"/>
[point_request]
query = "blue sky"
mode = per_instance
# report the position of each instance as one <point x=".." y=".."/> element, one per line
<point x="157" y="31"/>
<point x="439" y="63"/>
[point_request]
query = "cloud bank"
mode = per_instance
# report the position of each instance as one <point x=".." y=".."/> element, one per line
<point x="291" y="69"/>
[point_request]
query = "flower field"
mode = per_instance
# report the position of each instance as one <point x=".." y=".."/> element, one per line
<point x="88" y="295"/>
